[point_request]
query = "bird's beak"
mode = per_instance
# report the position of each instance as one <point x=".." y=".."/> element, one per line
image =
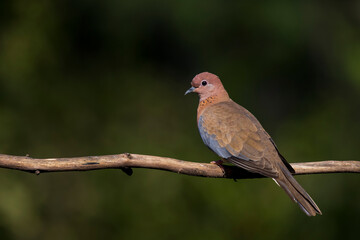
<point x="190" y="90"/>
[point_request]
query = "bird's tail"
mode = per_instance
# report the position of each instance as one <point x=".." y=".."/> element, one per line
<point x="296" y="192"/>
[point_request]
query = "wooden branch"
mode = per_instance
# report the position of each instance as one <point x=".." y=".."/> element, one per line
<point x="128" y="161"/>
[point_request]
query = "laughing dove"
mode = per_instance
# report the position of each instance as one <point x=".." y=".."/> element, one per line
<point x="236" y="136"/>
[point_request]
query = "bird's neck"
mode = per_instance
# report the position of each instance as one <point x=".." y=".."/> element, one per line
<point x="206" y="102"/>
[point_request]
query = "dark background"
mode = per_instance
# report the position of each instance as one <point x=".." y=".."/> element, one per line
<point x="82" y="78"/>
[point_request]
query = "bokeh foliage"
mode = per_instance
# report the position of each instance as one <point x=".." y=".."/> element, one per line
<point x="85" y="77"/>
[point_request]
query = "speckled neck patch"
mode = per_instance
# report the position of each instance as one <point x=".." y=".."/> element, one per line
<point x="207" y="101"/>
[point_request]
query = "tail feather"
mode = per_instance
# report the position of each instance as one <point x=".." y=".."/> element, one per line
<point x="296" y="192"/>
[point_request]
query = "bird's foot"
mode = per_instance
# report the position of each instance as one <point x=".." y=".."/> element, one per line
<point x="219" y="163"/>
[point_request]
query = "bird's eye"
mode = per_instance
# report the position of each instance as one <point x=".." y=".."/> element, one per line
<point x="204" y="83"/>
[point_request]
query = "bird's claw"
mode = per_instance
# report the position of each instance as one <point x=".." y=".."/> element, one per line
<point x="219" y="163"/>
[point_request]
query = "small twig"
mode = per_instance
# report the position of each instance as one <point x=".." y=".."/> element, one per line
<point x="127" y="161"/>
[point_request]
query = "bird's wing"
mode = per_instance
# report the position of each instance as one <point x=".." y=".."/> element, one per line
<point x="235" y="135"/>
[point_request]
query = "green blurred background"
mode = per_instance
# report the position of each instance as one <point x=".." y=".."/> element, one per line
<point x="84" y="77"/>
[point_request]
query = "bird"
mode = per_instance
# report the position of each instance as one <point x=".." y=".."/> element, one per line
<point x="238" y="138"/>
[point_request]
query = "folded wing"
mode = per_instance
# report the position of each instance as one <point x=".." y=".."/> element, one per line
<point x="235" y="135"/>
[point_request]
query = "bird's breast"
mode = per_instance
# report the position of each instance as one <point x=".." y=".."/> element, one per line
<point x="203" y="104"/>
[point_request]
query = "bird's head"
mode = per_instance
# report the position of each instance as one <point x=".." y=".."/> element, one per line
<point x="207" y="85"/>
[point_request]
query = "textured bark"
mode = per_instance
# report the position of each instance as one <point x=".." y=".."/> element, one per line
<point x="128" y="161"/>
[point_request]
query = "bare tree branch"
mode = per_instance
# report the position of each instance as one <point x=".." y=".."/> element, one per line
<point x="128" y="161"/>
